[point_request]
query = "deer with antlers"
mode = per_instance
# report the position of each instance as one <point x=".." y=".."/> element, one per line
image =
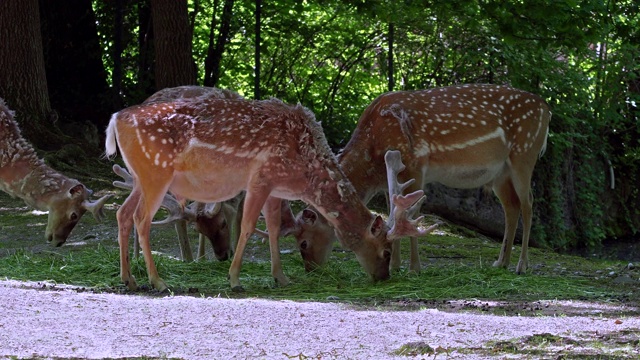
<point x="212" y="149"/>
<point x="24" y="175"/>
<point x="463" y="136"/>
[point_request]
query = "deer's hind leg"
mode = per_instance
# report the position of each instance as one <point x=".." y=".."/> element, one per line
<point x="149" y="203"/>
<point x="506" y="193"/>
<point x="124" y="215"/>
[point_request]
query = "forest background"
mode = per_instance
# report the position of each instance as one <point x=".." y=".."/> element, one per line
<point x="66" y="66"/>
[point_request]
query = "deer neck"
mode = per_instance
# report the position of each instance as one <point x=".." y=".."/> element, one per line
<point x="337" y="200"/>
<point x="365" y="173"/>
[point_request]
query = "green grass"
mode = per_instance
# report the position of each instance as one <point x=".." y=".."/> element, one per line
<point x="457" y="264"/>
<point x="454" y="268"/>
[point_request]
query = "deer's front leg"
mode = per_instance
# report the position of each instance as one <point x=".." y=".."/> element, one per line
<point x="125" y="223"/>
<point x="271" y="212"/>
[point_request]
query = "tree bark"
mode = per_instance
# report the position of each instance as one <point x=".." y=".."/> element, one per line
<point x="23" y="82"/>
<point x="76" y="75"/>
<point x="172" y="40"/>
<point x="214" y="56"/>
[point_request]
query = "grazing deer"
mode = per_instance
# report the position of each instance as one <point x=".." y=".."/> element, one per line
<point x="218" y="222"/>
<point x="210" y="150"/>
<point x="213" y="221"/>
<point x="463" y="136"/>
<point x="24" y="175"/>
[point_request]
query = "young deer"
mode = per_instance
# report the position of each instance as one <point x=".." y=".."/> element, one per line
<point x="24" y="175"/>
<point x="463" y="136"/>
<point x="212" y="149"/>
<point x="214" y="225"/>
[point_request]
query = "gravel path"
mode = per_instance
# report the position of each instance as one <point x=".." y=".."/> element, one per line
<point x="67" y="323"/>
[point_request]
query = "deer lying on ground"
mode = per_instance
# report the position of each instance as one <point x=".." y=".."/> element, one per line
<point x="218" y="222"/>
<point x="24" y="175"/>
<point x="463" y="136"/>
<point x="210" y="150"/>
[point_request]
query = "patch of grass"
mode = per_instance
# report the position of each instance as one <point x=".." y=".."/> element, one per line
<point x="96" y="265"/>
<point x="454" y="267"/>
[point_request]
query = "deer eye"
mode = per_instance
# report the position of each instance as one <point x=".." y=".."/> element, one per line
<point x="304" y="245"/>
<point x="386" y="254"/>
<point x="73" y="216"/>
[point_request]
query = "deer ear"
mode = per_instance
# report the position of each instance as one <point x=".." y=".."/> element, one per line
<point x="378" y="226"/>
<point x="79" y="190"/>
<point x="309" y="217"/>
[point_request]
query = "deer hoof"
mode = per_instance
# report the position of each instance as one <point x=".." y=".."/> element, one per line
<point x="521" y="269"/>
<point x="499" y="264"/>
<point x="237" y="289"/>
<point x="159" y="284"/>
<point x="131" y="283"/>
<point x="282" y="281"/>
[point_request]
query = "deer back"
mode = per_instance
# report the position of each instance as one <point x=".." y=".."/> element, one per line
<point x="461" y="136"/>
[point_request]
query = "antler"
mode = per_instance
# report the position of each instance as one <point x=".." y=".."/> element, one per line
<point x="97" y="207"/>
<point x="402" y="207"/>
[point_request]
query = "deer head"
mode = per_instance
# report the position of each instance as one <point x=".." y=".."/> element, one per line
<point x="210" y="150"/>
<point x="24" y="175"/>
<point x="315" y="236"/>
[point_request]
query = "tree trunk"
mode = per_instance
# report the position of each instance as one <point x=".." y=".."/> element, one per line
<point x="174" y="61"/>
<point x="23" y="82"/>
<point x="212" y="62"/>
<point x="146" y="69"/>
<point x="75" y="73"/>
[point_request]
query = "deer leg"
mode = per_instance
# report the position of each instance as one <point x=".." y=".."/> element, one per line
<point x="124" y="215"/>
<point x="136" y="244"/>
<point x="252" y="205"/>
<point x="201" y="244"/>
<point x="271" y="211"/>
<point x="147" y="206"/>
<point x="183" y="240"/>
<point x="396" y="260"/>
<point x="522" y="186"/>
<point x="506" y="193"/>
<point x="527" y="216"/>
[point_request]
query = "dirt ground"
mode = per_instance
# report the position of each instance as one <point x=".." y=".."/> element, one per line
<point x="44" y="321"/>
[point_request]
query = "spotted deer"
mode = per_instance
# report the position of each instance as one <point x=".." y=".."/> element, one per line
<point x="210" y="150"/>
<point x="213" y="221"/>
<point x="465" y="136"/>
<point x="24" y="175"/>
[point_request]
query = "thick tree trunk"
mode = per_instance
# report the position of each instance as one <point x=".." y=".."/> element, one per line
<point x="23" y="83"/>
<point x="76" y="76"/>
<point x="172" y="39"/>
<point x="146" y="66"/>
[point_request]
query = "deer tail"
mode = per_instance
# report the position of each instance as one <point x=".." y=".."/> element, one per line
<point x="110" y="142"/>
